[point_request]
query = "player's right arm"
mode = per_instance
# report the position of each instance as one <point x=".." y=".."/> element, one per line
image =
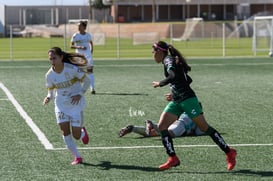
<point x="73" y="46"/>
<point x="49" y="96"/>
<point x="50" y="89"/>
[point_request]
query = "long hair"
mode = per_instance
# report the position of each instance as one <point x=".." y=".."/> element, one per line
<point x="174" y="53"/>
<point x="72" y="58"/>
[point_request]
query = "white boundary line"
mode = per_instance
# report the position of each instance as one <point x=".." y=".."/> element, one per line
<point x="41" y="136"/>
<point x="48" y="146"/>
<point x="161" y="146"/>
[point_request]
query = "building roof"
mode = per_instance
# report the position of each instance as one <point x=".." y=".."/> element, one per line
<point x="193" y="2"/>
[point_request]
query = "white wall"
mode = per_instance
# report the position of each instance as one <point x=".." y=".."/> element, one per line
<point x="2" y="20"/>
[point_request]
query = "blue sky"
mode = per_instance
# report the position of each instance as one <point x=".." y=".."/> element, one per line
<point x="43" y="2"/>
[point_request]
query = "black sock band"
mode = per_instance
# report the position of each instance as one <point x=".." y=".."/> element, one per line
<point x="167" y="141"/>
<point x="165" y="133"/>
<point x="217" y="138"/>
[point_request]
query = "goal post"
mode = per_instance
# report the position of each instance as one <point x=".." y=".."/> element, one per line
<point x="262" y="34"/>
<point x="140" y="38"/>
<point x="190" y="31"/>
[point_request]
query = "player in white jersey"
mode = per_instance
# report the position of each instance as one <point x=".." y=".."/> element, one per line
<point x="82" y="42"/>
<point x="67" y="83"/>
<point x="184" y="126"/>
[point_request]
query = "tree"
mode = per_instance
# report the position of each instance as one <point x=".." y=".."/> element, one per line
<point x="100" y="4"/>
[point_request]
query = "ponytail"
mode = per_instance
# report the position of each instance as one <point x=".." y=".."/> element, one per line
<point x="72" y="58"/>
<point x="179" y="58"/>
<point x="75" y="59"/>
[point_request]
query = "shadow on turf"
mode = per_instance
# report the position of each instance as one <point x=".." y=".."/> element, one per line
<point x="120" y="94"/>
<point x="246" y="172"/>
<point x="254" y="172"/>
<point x="186" y="136"/>
<point x="106" y="165"/>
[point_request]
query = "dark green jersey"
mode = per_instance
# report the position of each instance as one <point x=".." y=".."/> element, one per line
<point x="178" y="79"/>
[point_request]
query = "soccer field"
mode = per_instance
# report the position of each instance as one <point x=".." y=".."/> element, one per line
<point x="236" y="95"/>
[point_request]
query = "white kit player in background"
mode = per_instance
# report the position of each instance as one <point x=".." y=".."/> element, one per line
<point x="68" y="83"/>
<point x="82" y="42"/>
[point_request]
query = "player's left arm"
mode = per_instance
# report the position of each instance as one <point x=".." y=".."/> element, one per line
<point x="92" y="46"/>
<point x="85" y="81"/>
<point x="85" y="84"/>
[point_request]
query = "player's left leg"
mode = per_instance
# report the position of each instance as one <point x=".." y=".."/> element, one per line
<point x="69" y="142"/>
<point x="218" y="139"/>
<point x="78" y="130"/>
<point x="90" y="71"/>
<point x="63" y="121"/>
<point x="194" y="111"/>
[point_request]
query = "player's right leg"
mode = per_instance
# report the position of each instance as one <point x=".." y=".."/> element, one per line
<point x="166" y="119"/>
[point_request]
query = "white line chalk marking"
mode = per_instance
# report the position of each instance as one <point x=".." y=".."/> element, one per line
<point x="41" y="136"/>
<point x="161" y="146"/>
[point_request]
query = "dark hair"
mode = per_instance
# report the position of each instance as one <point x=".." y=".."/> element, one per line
<point x="175" y="54"/>
<point x="83" y="23"/>
<point x="72" y="58"/>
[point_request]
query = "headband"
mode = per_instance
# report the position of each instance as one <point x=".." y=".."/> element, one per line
<point x="160" y="48"/>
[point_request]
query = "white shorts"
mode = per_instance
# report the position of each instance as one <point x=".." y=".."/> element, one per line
<point x="177" y="128"/>
<point x="183" y="126"/>
<point x="76" y="120"/>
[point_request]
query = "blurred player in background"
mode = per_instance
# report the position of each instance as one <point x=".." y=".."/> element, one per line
<point x="69" y="84"/>
<point x="82" y="42"/>
<point x="181" y="127"/>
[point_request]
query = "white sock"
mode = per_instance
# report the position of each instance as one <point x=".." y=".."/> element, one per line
<point x="68" y="140"/>
<point x="82" y="134"/>
<point x="92" y="80"/>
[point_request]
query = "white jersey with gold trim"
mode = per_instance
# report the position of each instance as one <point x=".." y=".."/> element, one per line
<point x="83" y="40"/>
<point x="66" y="84"/>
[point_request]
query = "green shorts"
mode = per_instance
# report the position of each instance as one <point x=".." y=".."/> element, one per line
<point x="190" y="106"/>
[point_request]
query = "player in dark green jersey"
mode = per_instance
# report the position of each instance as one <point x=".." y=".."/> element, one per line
<point x="183" y="99"/>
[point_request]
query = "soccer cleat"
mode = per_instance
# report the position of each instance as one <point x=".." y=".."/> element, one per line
<point x="85" y="138"/>
<point x="77" y="161"/>
<point x="149" y="126"/>
<point x="126" y="130"/>
<point x="93" y="91"/>
<point x="171" y="162"/>
<point x="231" y="159"/>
